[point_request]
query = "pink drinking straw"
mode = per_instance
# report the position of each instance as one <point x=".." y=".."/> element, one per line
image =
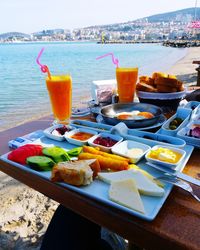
<point x="114" y="60"/>
<point x="43" y="67"/>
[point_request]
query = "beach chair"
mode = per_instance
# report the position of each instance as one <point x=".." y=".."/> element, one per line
<point x="198" y="72"/>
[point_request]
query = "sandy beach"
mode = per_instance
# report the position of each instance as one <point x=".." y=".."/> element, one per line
<point x="25" y="213"/>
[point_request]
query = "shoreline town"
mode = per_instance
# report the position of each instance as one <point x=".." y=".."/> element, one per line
<point x="24" y="217"/>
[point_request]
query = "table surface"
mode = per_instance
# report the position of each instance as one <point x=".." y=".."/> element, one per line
<point x="177" y="226"/>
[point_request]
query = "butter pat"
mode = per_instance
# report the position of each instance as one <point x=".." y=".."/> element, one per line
<point x="164" y="156"/>
<point x="143" y="184"/>
<point x="125" y="193"/>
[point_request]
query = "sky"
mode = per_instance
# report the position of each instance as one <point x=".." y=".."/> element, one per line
<point x="30" y="16"/>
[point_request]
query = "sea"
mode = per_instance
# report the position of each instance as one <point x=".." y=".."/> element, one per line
<point x="23" y="93"/>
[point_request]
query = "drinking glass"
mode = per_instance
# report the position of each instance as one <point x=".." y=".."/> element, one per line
<point x="60" y="93"/>
<point x="126" y="83"/>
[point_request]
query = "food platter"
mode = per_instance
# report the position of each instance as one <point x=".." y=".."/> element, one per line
<point x="99" y="190"/>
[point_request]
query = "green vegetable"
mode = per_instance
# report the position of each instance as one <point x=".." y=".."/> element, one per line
<point x="74" y="152"/>
<point x="40" y="163"/>
<point x="175" y="123"/>
<point x="172" y="127"/>
<point x="56" y="153"/>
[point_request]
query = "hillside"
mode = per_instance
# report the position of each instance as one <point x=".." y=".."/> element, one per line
<point x="172" y="16"/>
<point x="164" y="17"/>
<point x="13" y="34"/>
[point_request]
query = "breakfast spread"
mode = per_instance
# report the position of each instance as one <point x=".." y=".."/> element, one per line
<point x="127" y="184"/>
<point x="159" y="83"/>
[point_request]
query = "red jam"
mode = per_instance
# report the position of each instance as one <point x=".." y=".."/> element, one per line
<point x="105" y="141"/>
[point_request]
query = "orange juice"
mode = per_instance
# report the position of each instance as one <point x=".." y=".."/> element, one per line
<point x="60" y="92"/>
<point x="126" y="83"/>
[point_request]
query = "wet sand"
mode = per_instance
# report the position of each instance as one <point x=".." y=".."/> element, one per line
<point x="25" y="213"/>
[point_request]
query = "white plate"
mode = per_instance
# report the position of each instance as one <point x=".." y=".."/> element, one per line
<point x="104" y="135"/>
<point x="48" y="132"/>
<point x="78" y="142"/>
<point x="123" y="147"/>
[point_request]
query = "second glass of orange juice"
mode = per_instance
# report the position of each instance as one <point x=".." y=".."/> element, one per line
<point x="126" y="83"/>
<point x="60" y="93"/>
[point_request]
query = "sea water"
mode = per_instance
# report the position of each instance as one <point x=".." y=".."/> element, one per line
<point x="23" y="93"/>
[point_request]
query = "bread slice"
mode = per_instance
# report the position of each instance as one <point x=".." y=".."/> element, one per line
<point x="76" y="173"/>
<point x="145" y="87"/>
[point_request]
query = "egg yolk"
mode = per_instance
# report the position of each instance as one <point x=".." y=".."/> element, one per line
<point x="147" y="115"/>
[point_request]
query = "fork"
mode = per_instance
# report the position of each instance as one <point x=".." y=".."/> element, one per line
<point x="180" y="183"/>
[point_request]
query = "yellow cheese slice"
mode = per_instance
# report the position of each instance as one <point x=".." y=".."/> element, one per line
<point x="125" y="193"/>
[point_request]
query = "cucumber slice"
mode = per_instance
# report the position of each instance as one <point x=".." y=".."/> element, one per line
<point x="74" y="152"/>
<point x="40" y="163"/>
<point x="56" y="153"/>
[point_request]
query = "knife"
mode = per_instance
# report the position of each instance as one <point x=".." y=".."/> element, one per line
<point x="175" y="173"/>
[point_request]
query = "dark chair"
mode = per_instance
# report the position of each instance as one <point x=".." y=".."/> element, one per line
<point x="198" y="72"/>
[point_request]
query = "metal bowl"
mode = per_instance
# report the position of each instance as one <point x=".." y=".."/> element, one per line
<point x="109" y="114"/>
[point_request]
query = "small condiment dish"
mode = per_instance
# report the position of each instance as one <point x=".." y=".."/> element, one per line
<point x="54" y="135"/>
<point x="165" y="163"/>
<point x="116" y="138"/>
<point x="68" y="136"/>
<point x="135" y="151"/>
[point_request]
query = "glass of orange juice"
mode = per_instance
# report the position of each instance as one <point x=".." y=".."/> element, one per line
<point x="60" y="93"/>
<point x="126" y="83"/>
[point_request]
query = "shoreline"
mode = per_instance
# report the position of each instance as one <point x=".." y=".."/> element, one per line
<point x="184" y="69"/>
<point x="25" y="213"/>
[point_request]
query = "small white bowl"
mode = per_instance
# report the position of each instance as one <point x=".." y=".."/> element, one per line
<point x="123" y="147"/>
<point x="164" y="163"/>
<point x="104" y="135"/>
<point x="48" y="132"/>
<point x="78" y="142"/>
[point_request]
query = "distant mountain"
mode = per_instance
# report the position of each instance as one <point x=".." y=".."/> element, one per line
<point x="172" y="16"/>
<point x="179" y="15"/>
<point x="13" y="34"/>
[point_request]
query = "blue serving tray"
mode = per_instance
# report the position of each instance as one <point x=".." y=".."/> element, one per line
<point x="99" y="190"/>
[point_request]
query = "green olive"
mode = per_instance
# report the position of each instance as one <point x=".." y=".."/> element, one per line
<point x="172" y="127"/>
<point x="174" y="122"/>
<point x="179" y="120"/>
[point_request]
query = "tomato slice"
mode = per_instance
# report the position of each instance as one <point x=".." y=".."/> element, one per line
<point x="20" y="154"/>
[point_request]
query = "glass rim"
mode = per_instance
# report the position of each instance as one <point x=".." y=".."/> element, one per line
<point x="127" y="69"/>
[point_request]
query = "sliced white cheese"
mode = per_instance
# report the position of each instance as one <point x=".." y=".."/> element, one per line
<point x="124" y="192"/>
<point x="144" y="184"/>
